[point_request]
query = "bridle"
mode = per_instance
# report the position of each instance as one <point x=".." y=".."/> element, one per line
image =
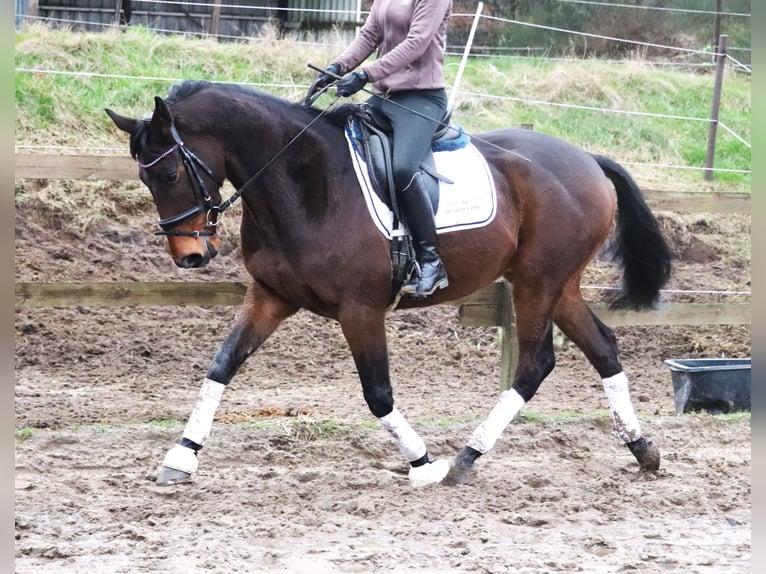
<point x="203" y="201"/>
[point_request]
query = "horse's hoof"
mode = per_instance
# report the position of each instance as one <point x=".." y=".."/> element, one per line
<point x="169" y="476"/>
<point x="462" y="467"/>
<point x="646" y="453"/>
<point x="429" y="473"/>
<point x="179" y="464"/>
<point x="458" y="475"/>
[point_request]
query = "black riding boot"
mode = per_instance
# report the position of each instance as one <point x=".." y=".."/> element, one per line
<point x="420" y="220"/>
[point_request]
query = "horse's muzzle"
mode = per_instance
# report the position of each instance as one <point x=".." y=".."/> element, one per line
<point x="198" y="257"/>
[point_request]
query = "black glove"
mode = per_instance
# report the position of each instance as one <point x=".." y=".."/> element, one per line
<point x="351" y="83"/>
<point x="324" y="79"/>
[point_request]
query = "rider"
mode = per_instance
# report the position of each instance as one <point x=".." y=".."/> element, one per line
<point x="407" y="81"/>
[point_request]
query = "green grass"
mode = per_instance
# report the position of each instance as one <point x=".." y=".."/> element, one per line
<point x="24" y="433"/>
<point x="730" y="417"/>
<point x="304" y="428"/>
<point x="166" y="424"/>
<point x="134" y="65"/>
<point x="601" y="417"/>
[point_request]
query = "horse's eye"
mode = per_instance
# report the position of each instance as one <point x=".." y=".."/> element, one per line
<point x="171" y="177"/>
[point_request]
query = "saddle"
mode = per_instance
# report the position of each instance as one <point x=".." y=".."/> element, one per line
<point x="372" y="131"/>
<point x="371" y="135"/>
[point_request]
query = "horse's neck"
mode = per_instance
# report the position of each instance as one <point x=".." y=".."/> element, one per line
<point x="287" y="180"/>
<point x="252" y="143"/>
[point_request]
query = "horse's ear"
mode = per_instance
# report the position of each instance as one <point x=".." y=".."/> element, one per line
<point x="125" y="124"/>
<point x="162" y="120"/>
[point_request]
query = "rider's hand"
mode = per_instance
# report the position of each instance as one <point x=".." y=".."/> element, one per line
<point x="351" y="83"/>
<point x="324" y="79"/>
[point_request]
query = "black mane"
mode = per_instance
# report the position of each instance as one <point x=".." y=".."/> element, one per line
<point x="339" y="116"/>
<point x="186" y="88"/>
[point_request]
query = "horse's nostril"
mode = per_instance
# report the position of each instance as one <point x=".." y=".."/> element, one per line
<point x="192" y="260"/>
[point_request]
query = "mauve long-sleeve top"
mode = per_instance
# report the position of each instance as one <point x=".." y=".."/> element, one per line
<point x="410" y="37"/>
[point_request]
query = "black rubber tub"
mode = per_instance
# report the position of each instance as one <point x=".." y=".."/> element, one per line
<point x="714" y="385"/>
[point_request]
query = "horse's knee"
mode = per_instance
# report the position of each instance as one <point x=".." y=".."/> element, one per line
<point x="227" y="359"/>
<point x="548" y="366"/>
<point x="606" y="332"/>
<point x="376" y="384"/>
<point x="232" y="353"/>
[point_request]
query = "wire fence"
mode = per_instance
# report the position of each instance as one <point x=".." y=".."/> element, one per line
<point x="336" y="15"/>
<point x="477" y="51"/>
<point x="525" y="101"/>
<point x="654" y="8"/>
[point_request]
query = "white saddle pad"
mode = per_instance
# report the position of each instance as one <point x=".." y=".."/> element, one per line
<point x="468" y="203"/>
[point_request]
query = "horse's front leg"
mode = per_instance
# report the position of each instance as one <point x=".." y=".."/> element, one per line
<point x="260" y="315"/>
<point x="364" y="329"/>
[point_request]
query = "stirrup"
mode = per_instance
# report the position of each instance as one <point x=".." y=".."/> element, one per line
<point x="414" y="287"/>
<point x="413" y="290"/>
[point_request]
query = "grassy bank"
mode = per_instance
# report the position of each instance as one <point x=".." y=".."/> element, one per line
<point x="69" y="78"/>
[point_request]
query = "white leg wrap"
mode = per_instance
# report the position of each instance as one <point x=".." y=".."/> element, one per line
<point x="201" y="420"/>
<point x="181" y="458"/>
<point x="429" y="473"/>
<point x="501" y="415"/>
<point x="408" y="441"/>
<point x="625" y="421"/>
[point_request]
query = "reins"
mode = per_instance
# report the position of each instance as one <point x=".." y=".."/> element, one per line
<point x="236" y="195"/>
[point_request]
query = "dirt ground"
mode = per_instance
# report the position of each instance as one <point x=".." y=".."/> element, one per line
<point x="298" y="477"/>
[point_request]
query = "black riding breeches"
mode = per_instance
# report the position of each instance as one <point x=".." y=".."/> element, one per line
<point x="415" y="117"/>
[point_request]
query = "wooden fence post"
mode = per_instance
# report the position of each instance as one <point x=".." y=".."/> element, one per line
<point x="717" y="29"/>
<point x="117" y="10"/>
<point x="216" y="19"/>
<point x="720" y="64"/>
<point x="509" y="356"/>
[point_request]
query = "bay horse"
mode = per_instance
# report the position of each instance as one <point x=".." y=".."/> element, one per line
<point x="308" y="242"/>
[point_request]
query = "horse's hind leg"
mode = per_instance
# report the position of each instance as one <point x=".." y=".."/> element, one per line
<point x="364" y="329"/>
<point x="598" y="342"/>
<point x="260" y="315"/>
<point x="536" y="361"/>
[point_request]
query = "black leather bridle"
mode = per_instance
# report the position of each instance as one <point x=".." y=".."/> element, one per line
<point x="203" y="201"/>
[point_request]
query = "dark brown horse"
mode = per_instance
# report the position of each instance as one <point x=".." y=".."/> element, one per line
<point x="308" y="242"/>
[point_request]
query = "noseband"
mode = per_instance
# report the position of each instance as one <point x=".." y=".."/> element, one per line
<point x="203" y="201"/>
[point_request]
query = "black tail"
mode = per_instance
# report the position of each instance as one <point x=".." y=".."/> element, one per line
<point x="640" y="247"/>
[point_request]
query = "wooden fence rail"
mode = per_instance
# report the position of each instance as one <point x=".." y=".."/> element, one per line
<point x="493" y="306"/>
<point x="488" y="307"/>
<point x="42" y="166"/>
<point x="117" y="294"/>
<point x="485" y="308"/>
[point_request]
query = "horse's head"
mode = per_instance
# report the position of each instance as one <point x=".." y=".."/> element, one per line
<point x="184" y="184"/>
